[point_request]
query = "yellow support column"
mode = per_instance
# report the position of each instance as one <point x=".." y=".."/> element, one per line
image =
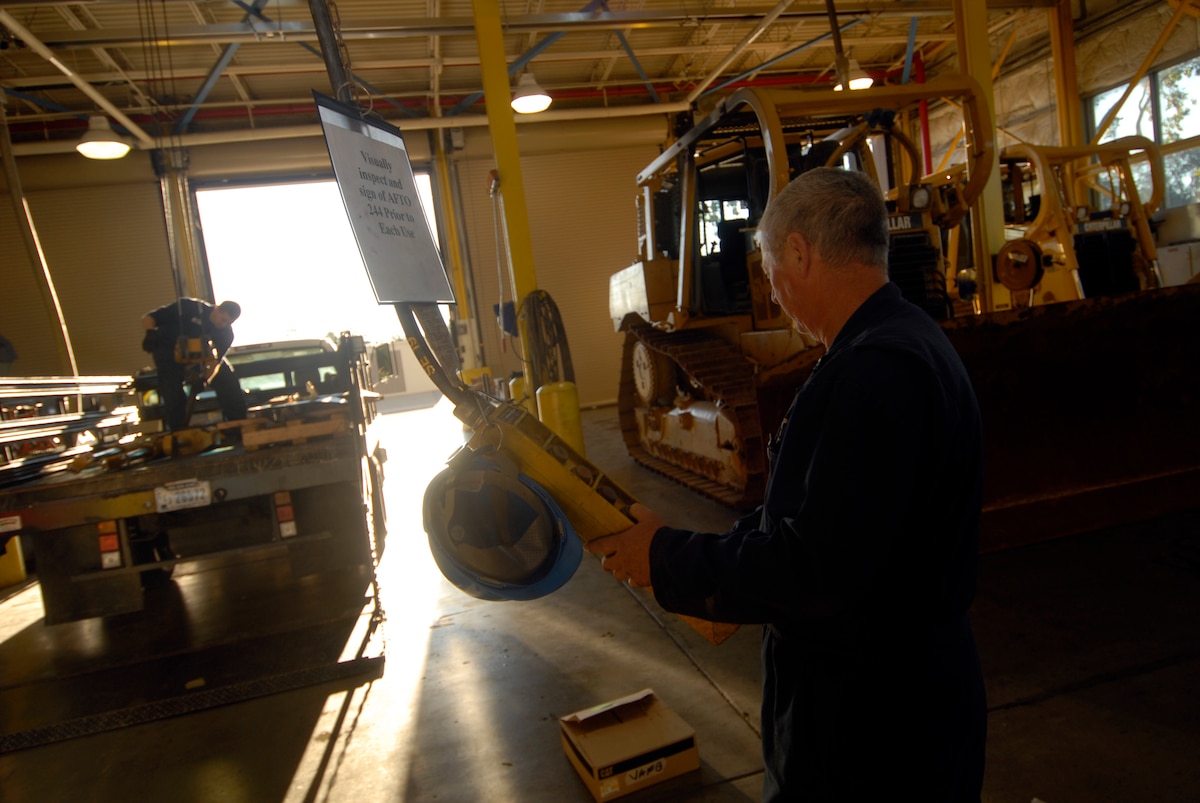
<point x="974" y="58"/>
<point x="469" y="326"/>
<point x="503" y="127"/>
<point x="1066" y="82"/>
<point x="451" y="247"/>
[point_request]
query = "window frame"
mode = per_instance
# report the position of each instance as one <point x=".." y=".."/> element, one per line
<point x="1153" y="78"/>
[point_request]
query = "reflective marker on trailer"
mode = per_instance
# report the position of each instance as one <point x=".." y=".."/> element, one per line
<point x="285" y="514"/>
<point x="110" y="545"/>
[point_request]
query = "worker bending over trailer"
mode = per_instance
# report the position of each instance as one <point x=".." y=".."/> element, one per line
<point x="861" y="562"/>
<point x="188" y="339"/>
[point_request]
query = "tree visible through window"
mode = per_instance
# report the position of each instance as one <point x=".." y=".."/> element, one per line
<point x="1179" y="90"/>
<point x="1165" y="108"/>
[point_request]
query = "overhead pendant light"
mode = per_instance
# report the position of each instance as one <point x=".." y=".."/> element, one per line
<point x="529" y="97"/>
<point x="100" y="141"/>
<point x="858" y="77"/>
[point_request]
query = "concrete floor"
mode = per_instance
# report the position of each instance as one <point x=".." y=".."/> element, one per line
<point x="1091" y="649"/>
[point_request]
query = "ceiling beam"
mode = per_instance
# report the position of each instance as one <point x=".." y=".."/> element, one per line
<point x="657" y="16"/>
<point x="34" y="44"/>
<point x="353" y="30"/>
<point x="424" y="63"/>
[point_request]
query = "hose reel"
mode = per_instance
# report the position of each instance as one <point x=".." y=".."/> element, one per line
<point x="1019" y="265"/>
<point x="495" y="533"/>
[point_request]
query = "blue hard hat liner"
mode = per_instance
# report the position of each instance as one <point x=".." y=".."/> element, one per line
<point x="496" y="533"/>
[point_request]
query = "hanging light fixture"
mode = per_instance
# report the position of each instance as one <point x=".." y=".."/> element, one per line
<point x="858" y="77"/>
<point x="529" y="97"/>
<point x="100" y="141"/>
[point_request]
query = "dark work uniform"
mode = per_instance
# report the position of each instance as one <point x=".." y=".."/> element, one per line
<point x="190" y="318"/>
<point x="861" y="564"/>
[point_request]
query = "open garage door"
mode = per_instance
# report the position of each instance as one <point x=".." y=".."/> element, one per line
<point x="286" y="253"/>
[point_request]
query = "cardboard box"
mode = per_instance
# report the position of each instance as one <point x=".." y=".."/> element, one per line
<point x="626" y="745"/>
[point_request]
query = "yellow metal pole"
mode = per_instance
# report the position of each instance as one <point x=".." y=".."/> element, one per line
<point x="451" y="247"/>
<point x="963" y="130"/>
<point x="974" y="58"/>
<point x="503" y="128"/>
<point x="466" y="325"/>
<point x="1066" y="82"/>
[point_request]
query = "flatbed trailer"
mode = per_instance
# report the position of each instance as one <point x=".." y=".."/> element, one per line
<point x="301" y="476"/>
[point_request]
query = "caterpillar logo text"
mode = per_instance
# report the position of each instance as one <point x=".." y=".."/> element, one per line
<point x="904" y="222"/>
<point x="1112" y="224"/>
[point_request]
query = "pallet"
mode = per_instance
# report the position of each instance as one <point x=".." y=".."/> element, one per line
<point x="257" y="433"/>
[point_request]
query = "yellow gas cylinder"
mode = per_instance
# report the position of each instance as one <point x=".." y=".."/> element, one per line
<point x="478" y="378"/>
<point x="12" y="562"/>
<point x="558" y="408"/>
<point x="519" y="396"/>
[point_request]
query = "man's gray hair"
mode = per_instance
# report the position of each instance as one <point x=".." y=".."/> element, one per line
<point x="840" y="212"/>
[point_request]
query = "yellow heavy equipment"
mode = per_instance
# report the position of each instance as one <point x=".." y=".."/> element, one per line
<point x="1076" y="226"/>
<point x="710" y="359"/>
<point x="1087" y="401"/>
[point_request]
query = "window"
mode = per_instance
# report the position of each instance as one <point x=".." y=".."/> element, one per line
<point x="712" y="215"/>
<point x="263" y="383"/>
<point x="1136" y="116"/>
<point x="1179" y="88"/>
<point x="1165" y="108"/>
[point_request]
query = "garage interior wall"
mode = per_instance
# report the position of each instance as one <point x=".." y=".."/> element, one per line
<point x="106" y="247"/>
<point x="583" y="223"/>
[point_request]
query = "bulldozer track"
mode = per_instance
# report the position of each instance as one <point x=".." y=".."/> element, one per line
<point x="728" y="378"/>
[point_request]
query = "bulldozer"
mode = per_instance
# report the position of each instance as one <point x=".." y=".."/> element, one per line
<point x="1075" y="224"/>
<point x="1081" y="362"/>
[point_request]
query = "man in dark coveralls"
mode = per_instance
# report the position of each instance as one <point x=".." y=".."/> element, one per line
<point x="861" y="562"/>
<point x="193" y="318"/>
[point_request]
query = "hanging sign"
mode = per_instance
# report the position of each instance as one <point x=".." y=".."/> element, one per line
<point x="375" y="177"/>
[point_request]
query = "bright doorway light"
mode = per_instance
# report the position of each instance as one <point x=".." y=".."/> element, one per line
<point x="287" y="254"/>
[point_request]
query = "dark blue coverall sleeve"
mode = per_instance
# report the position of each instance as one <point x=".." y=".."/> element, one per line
<point x="842" y="486"/>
